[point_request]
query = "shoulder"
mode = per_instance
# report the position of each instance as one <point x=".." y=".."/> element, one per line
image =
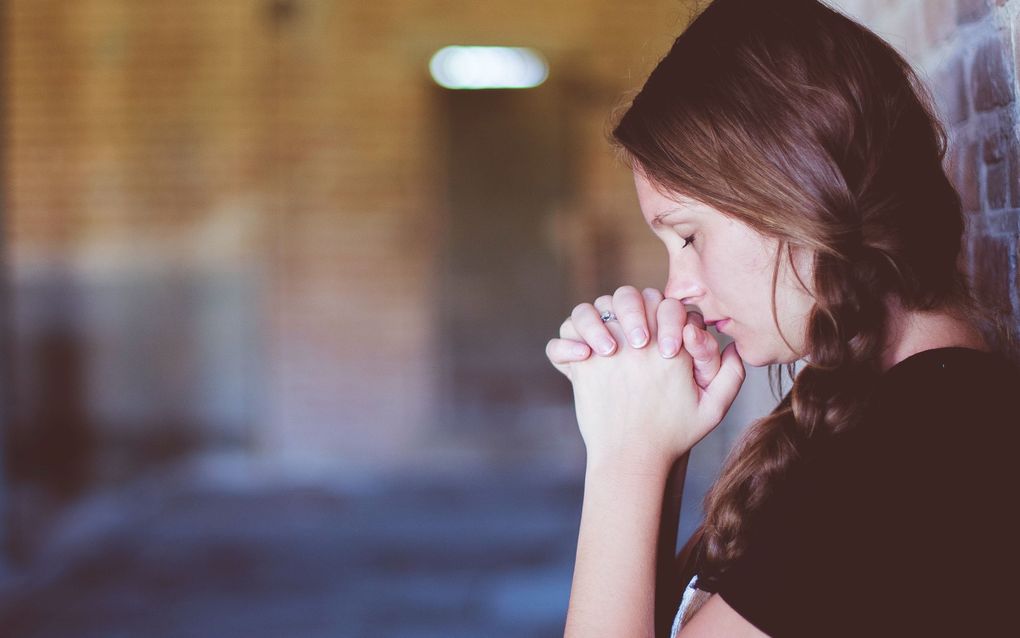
<point x="937" y="403"/>
<point x="938" y="394"/>
<point x="939" y="419"/>
<point x="948" y="378"/>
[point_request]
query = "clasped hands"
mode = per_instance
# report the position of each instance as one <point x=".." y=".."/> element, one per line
<point x="639" y="403"/>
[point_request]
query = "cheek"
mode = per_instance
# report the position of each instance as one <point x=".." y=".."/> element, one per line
<point x="748" y="275"/>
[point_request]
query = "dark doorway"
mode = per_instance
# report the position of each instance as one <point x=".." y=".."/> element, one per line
<point x="502" y="284"/>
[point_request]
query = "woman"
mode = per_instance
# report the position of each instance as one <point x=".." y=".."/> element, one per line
<point x="791" y="163"/>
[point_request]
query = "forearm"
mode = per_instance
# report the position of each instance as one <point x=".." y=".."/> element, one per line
<point x="613" y="590"/>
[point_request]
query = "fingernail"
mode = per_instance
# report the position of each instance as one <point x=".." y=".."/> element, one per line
<point x="605" y="346"/>
<point x="638" y="337"/>
<point x="668" y="347"/>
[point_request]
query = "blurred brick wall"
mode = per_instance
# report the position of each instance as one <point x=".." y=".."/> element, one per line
<point x="224" y="216"/>
<point x="133" y="222"/>
<point x="967" y="51"/>
<point x="5" y="367"/>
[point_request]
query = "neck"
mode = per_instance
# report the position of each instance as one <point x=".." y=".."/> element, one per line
<point x="912" y="331"/>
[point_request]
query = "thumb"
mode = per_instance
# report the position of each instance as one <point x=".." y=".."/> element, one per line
<point x="720" y="393"/>
<point x="704" y="349"/>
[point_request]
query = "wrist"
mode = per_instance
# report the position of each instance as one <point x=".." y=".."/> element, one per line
<point x="635" y="464"/>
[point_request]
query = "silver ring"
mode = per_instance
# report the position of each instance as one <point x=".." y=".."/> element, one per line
<point x="607" y="316"/>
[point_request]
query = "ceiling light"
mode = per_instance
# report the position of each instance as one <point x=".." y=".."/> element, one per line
<point x="473" y="67"/>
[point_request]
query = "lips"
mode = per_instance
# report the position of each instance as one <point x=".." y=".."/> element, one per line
<point x="719" y="323"/>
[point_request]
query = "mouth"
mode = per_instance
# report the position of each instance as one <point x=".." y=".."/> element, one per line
<point x="719" y="323"/>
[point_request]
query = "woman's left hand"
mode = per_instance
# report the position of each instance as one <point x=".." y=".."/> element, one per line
<point x="638" y="407"/>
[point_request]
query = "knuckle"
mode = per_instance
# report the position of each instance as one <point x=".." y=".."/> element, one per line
<point x="651" y="296"/>
<point x="669" y="330"/>
<point x="604" y="299"/>
<point x="631" y="312"/>
<point x="668" y="307"/>
<point x="580" y="310"/>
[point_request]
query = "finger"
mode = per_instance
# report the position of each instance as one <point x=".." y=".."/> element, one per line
<point x="629" y="306"/>
<point x="562" y="352"/>
<point x="720" y="393"/>
<point x="605" y="304"/>
<point x="704" y="350"/>
<point x="694" y="315"/>
<point x="652" y="299"/>
<point x="671" y="318"/>
<point x="568" y="331"/>
<point x="590" y="328"/>
<point x="563" y="368"/>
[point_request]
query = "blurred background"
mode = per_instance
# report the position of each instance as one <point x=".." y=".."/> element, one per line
<point x="275" y="308"/>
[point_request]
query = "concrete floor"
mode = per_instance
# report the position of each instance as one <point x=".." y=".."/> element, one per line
<point x="221" y="549"/>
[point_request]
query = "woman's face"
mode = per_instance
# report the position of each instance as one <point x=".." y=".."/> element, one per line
<point x="726" y="271"/>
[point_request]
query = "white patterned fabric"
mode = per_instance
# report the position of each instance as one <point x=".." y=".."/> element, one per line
<point x="684" y="602"/>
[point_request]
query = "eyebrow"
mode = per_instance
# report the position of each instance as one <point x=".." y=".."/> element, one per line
<point x="657" y="220"/>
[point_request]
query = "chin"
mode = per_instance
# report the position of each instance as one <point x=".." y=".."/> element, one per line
<point x="753" y="361"/>
<point x="761" y="360"/>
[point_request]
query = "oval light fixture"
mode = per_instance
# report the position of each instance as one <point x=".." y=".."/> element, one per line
<point x="477" y="67"/>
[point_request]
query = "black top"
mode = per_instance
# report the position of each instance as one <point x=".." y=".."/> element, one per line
<point x="905" y="525"/>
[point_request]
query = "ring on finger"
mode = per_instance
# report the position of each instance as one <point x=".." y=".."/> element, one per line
<point x="607" y="316"/>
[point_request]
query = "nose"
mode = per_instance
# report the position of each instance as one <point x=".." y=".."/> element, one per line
<point x="684" y="285"/>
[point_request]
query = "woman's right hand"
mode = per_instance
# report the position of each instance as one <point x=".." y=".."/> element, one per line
<point x="584" y="333"/>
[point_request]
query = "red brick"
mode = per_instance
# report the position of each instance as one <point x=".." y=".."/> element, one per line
<point x="996" y="146"/>
<point x="991" y="77"/>
<point x="996" y="143"/>
<point x="996" y="186"/>
<point x="993" y="268"/>
<point x="1014" y="175"/>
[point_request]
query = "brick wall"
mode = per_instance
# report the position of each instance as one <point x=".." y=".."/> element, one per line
<point x="226" y="217"/>
<point x="967" y="50"/>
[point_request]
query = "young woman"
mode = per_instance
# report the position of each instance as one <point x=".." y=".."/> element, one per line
<point x="791" y="163"/>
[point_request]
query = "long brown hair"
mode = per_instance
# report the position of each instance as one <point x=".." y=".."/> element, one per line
<point x="799" y="122"/>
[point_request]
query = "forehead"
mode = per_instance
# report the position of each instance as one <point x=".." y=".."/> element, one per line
<point x="656" y="204"/>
